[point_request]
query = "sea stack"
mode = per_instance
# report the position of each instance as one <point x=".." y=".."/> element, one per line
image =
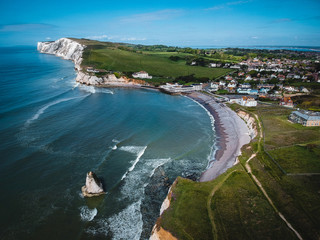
<point x="93" y="186"/>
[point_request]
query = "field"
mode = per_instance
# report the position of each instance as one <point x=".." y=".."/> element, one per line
<point x="156" y="63"/>
<point x="233" y="206"/>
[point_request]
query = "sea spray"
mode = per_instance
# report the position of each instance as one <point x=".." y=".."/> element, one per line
<point x="87" y="214"/>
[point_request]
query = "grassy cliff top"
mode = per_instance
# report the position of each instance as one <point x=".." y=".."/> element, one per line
<point x="287" y="164"/>
<point x="164" y="63"/>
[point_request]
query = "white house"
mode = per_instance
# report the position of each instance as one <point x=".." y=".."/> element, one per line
<point x="197" y="87"/>
<point x="141" y="74"/>
<point x="248" y="101"/>
<point x="214" y="86"/>
<point x="212" y="65"/>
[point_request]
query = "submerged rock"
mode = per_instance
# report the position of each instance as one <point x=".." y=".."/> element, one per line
<point x="93" y="186"/>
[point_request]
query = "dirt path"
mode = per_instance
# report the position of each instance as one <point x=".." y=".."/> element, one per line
<point x="216" y="188"/>
<point x="258" y="183"/>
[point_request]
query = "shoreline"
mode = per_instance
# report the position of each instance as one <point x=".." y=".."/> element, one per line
<point x="232" y="133"/>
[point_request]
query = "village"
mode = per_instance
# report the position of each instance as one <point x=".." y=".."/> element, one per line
<point x="256" y="81"/>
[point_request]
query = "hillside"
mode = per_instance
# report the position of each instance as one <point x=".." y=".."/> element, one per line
<point x="164" y="63"/>
<point x="277" y="180"/>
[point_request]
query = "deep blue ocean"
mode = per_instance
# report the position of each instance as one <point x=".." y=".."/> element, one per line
<point x="53" y="131"/>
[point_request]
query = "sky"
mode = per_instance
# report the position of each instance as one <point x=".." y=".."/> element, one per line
<point x="170" y="22"/>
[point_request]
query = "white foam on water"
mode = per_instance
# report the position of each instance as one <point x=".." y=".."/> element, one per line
<point x="75" y="85"/>
<point x="92" y="89"/>
<point x="159" y="163"/>
<point x="135" y="181"/>
<point x="87" y="214"/>
<point x="114" y="147"/>
<point x="139" y="151"/>
<point x="45" y="107"/>
<point x="128" y="223"/>
<point x="213" y="148"/>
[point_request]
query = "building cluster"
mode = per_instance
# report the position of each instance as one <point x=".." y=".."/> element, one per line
<point x="178" y="88"/>
<point x="141" y="74"/>
<point x="305" y="118"/>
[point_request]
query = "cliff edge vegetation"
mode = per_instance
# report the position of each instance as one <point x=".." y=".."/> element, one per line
<point x="272" y="193"/>
<point x="163" y="63"/>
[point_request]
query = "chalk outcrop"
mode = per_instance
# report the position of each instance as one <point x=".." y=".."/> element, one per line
<point x="159" y="233"/>
<point x="251" y="123"/>
<point x="109" y="79"/>
<point x="72" y="50"/>
<point x="65" y="48"/>
<point x="93" y="186"/>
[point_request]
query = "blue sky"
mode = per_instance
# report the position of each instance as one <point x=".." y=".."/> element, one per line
<point x="179" y="23"/>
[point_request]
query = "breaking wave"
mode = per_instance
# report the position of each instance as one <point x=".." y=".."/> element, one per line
<point x="139" y="151"/>
<point x="92" y="89"/>
<point x="87" y="214"/>
<point x="45" y="107"/>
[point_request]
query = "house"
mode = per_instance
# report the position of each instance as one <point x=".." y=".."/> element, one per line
<point x="245" y="85"/>
<point x="193" y="63"/>
<point x="222" y="84"/>
<point x="232" y="84"/>
<point x="235" y="66"/>
<point x="290" y="89"/>
<point x="228" y="78"/>
<point x="244" y="90"/>
<point x="197" y="87"/>
<point x="254" y="92"/>
<point x="214" y="86"/>
<point x="306" y="118"/>
<point x="141" y="74"/>
<point x="248" y="78"/>
<point x="264" y="90"/>
<point x="286" y="102"/>
<point x="303" y="89"/>
<point x="91" y="69"/>
<point x="212" y="65"/>
<point x="248" y="101"/>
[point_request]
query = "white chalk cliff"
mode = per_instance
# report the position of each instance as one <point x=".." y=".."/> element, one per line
<point x="65" y="48"/>
<point x="72" y="50"/>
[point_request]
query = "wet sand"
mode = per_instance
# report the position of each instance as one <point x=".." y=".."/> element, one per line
<point x="232" y="133"/>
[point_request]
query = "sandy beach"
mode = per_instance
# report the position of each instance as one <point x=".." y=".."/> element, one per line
<point x="232" y="134"/>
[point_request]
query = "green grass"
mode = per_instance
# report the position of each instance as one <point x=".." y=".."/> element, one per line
<point x="279" y="132"/>
<point x="155" y="63"/>
<point x="242" y="212"/>
<point x="298" y="159"/>
<point x="187" y="216"/>
<point x="239" y="209"/>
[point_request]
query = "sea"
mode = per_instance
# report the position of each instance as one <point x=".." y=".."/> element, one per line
<point x="53" y="131"/>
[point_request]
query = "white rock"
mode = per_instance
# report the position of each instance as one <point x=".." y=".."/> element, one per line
<point x="93" y="186"/>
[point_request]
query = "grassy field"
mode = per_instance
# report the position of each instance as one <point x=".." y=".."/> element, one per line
<point x="155" y="63"/>
<point x="238" y="209"/>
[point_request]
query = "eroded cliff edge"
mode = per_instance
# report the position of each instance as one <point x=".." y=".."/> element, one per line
<point x="72" y="50"/>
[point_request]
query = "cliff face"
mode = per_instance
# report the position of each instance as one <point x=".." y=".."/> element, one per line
<point x="72" y="50"/>
<point x="158" y="233"/>
<point x="65" y="48"/>
<point x="251" y="123"/>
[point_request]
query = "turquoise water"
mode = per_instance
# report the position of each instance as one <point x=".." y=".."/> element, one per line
<point x="53" y="131"/>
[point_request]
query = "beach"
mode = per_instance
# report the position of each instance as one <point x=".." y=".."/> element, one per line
<point x="232" y="134"/>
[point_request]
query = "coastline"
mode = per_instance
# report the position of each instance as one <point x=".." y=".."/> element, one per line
<point x="232" y="133"/>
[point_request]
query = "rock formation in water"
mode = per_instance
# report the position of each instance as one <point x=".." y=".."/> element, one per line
<point x="93" y="186"/>
<point x="72" y="50"/>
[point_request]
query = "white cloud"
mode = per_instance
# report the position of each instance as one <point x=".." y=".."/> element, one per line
<point x="100" y="37"/>
<point x="152" y="16"/>
<point x="133" y="39"/>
